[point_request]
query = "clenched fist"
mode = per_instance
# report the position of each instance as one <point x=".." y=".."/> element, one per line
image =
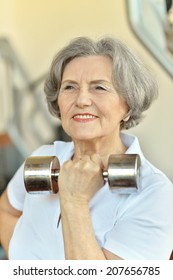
<point x="79" y="179"/>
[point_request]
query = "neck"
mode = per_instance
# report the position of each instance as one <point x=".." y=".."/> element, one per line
<point x="103" y="147"/>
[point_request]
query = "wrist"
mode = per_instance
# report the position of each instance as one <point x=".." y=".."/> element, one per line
<point x="74" y="201"/>
<point x="74" y="208"/>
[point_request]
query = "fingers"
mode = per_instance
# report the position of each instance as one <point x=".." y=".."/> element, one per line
<point x="81" y="177"/>
<point x="94" y="161"/>
<point x="95" y="158"/>
<point x="91" y="163"/>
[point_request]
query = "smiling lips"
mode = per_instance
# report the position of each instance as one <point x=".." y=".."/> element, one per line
<point x="84" y="118"/>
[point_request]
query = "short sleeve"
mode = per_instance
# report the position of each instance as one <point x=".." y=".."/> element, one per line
<point x="145" y="225"/>
<point x="16" y="190"/>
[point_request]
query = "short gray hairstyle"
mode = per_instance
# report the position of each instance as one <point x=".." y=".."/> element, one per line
<point x="130" y="77"/>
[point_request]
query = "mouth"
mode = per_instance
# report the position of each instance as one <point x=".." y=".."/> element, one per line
<point x="86" y="117"/>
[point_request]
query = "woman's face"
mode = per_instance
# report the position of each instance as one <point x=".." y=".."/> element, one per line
<point x="90" y="107"/>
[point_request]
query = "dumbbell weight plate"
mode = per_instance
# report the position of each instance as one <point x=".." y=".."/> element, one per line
<point x="41" y="174"/>
<point x="123" y="171"/>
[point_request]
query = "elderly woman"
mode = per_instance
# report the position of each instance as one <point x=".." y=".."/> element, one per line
<point x="97" y="88"/>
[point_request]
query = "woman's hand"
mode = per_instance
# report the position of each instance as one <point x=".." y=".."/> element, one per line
<point x="80" y="179"/>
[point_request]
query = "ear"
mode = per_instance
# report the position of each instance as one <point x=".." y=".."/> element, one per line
<point x="126" y="118"/>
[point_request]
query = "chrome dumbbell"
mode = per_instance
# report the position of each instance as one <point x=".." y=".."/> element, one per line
<point x="41" y="172"/>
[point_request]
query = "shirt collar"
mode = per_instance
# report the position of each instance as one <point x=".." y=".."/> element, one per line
<point x="132" y="143"/>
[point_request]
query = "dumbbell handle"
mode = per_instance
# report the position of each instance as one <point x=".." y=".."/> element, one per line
<point x="41" y="172"/>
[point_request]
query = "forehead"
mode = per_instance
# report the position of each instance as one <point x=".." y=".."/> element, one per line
<point x="89" y="65"/>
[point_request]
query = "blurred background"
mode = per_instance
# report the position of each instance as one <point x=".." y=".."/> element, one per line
<point x="31" y="32"/>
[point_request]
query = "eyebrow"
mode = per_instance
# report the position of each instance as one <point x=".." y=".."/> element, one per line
<point x="100" y="81"/>
<point x="68" y="81"/>
<point x="92" y="82"/>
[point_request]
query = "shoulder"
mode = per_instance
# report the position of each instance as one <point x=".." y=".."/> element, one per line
<point x="63" y="150"/>
<point x="44" y="150"/>
<point x="155" y="195"/>
<point x="152" y="177"/>
<point x="153" y="201"/>
<point x="52" y="149"/>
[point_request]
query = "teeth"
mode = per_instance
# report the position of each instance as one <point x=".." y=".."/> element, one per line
<point x="84" y="116"/>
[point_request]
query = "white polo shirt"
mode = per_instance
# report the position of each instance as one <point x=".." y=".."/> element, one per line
<point x="132" y="225"/>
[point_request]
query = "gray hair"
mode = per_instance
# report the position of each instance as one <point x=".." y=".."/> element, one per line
<point x="130" y="78"/>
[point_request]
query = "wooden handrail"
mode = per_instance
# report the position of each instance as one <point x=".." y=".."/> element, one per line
<point x="4" y="140"/>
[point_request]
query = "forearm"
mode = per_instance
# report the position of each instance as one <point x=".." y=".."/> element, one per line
<point x="7" y="225"/>
<point x="79" y="238"/>
<point x="8" y="219"/>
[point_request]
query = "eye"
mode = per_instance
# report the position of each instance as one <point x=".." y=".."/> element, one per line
<point x="100" y="88"/>
<point x="68" y="87"/>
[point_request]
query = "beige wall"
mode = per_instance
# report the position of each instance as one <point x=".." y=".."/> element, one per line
<point x="38" y="28"/>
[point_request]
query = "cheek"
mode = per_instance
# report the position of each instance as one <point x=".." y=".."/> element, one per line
<point x="65" y="109"/>
<point x="120" y="107"/>
<point x="113" y="107"/>
<point x="62" y="106"/>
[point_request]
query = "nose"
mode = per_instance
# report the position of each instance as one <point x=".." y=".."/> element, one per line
<point x="83" y="98"/>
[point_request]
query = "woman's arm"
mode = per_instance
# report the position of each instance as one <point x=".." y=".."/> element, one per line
<point x="8" y="219"/>
<point x="79" y="238"/>
<point x="78" y="181"/>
